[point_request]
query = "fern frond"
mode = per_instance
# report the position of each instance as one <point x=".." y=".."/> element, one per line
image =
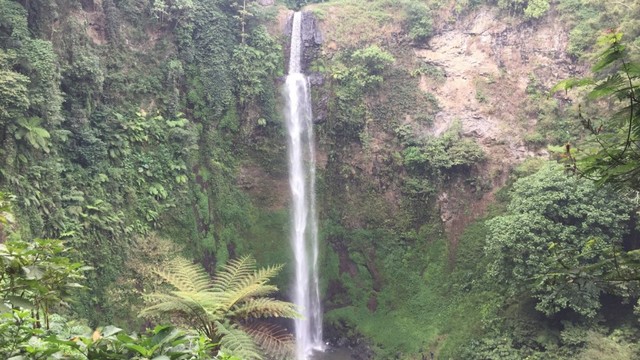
<point x="610" y="86"/>
<point x="185" y="276"/>
<point x="168" y="303"/>
<point x="237" y="342"/>
<point x="232" y="271"/>
<point x="261" y="276"/>
<point x="265" y="307"/>
<point x="213" y="302"/>
<point x="211" y="306"/>
<point x="249" y="292"/>
<point x="569" y="84"/>
<point x="273" y="339"/>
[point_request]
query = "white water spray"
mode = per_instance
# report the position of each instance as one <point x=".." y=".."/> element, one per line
<point x="302" y="172"/>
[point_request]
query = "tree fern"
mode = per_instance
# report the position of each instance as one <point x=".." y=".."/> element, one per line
<point x="264" y="308"/>
<point x="222" y="308"/>
<point x="257" y="277"/>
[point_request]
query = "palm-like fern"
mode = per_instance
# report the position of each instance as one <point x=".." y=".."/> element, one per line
<point x="227" y="308"/>
<point x="29" y="129"/>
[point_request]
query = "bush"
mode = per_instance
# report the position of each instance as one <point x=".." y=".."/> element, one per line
<point x="556" y="227"/>
<point x="447" y="152"/>
<point x="419" y="22"/>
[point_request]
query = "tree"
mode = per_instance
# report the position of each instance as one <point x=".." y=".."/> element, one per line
<point x="536" y="8"/>
<point x="228" y="308"/>
<point x="612" y="154"/>
<point x="555" y="227"/>
<point x="37" y="275"/>
<point x="419" y="22"/>
<point x="532" y="9"/>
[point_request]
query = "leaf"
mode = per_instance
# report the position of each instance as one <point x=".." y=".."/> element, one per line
<point x="110" y="330"/>
<point x="138" y="348"/>
<point x="33" y="272"/>
<point x="273" y="339"/>
<point x="19" y="301"/>
<point x="163" y="335"/>
<point x="237" y="342"/>
<point x="571" y="83"/>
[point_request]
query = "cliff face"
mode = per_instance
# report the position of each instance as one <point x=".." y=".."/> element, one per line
<point x="145" y="111"/>
<point x="479" y="82"/>
<point x="495" y="73"/>
<point x="312" y="38"/>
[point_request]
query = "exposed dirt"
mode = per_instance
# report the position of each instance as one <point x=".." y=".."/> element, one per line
<point x="268" y="191"/>
<point x="93" y="19"/>
<point x="488" y="64"/>
<point x="277" y="27"/>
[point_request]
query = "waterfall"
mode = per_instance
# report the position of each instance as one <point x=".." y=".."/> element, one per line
<point x="302" y="171"/>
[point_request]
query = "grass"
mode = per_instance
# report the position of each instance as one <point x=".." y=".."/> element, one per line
<point x="423" y="306"/>
<point x="348" y="23"/>
<point x="413" y="310"/>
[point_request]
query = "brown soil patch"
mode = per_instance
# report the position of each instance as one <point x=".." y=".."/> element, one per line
<point x="277" y="27"/>
<point x="94" y="23"/>
<point x="268" y="192"/>
<point x="489" y="63"/>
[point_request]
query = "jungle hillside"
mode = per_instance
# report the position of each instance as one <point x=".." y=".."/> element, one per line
<point x="477" y="167"/>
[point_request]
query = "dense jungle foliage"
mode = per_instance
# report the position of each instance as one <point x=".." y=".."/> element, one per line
<point x="133" y="131"/>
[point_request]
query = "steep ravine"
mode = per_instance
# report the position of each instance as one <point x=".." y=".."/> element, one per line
<point x="488" y="69"/>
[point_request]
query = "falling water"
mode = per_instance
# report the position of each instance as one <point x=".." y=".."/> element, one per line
<point x="302" y="171"/>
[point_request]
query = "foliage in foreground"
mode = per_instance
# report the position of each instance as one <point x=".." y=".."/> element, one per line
<point x="613" y="154"/>
<point x="37" y="278"/>
<point x="37" y="275"/>
<point x="228" y="308"/>
<point x="20" y="340"/>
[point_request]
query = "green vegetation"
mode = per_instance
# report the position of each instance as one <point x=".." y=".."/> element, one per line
<point x="612" y="155"/>
<point x="37" y="280"/>
<point x="356" y="74"/>
<point x="38" y="276"/>
<point x="530" y="9"/>
<point x="225" y="309"/>
<point x="553" y="225"/>
<point x="124" y="123"/>
<point x="419" y="22"/>
<point x="110" y="133"/>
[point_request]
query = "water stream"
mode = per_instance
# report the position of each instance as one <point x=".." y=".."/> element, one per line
<point x="302" y="171"/>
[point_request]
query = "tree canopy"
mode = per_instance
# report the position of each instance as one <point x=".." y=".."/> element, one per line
<point x="557" y="223"/>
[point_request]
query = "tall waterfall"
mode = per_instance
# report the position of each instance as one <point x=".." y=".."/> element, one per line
<point x="302" y="173"/>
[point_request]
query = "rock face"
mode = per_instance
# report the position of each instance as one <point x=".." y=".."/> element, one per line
<point x="490" y="65"/>
<point x="311" y="38"/>
<point x="266" y="2"/>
